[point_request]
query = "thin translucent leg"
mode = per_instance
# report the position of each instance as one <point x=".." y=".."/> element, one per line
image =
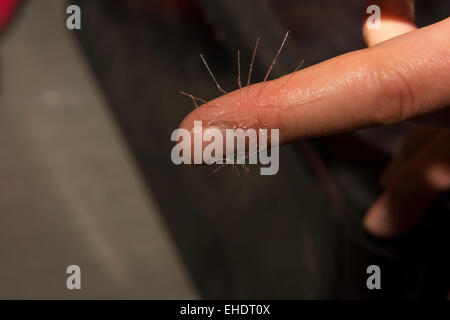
<point x="212" y="75"/>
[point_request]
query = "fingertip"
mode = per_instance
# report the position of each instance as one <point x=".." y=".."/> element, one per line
<point x="378" y="221"/>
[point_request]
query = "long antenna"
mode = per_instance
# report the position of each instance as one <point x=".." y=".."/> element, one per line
<point x="251" y="63"/>
<point x="194" y="101"/>
<point x="299" y="66"/>
<point x="219" y="167"/>
<point x="212" y="75"/>
<point x="276" y="57"/>
<point x="292" y="74"/>
<point x="239" y="69"/>
<point x="190" y="95"/>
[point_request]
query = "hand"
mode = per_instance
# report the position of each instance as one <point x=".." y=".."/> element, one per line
<point x="422" y="168"/>
<point x="403" y="75"/>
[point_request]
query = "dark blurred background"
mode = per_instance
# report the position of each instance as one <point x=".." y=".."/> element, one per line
<point x="86" y="176"/>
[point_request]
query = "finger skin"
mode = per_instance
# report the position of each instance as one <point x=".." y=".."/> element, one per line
<point x="396" y="80"/>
